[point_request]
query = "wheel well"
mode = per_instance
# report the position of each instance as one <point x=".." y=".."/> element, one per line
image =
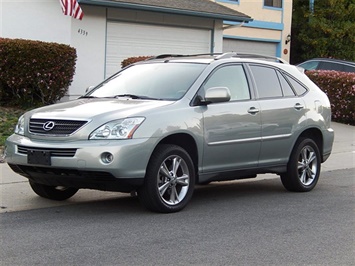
<point x="186" y="142"/>
<point x="316" y="135"/>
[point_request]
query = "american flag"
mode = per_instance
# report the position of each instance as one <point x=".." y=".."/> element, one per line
<point x="72" y="8"/>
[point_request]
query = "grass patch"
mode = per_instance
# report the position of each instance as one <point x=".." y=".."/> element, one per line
<point x="8" y="120"/>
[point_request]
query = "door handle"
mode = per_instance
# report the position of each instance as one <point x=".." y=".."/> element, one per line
<point x="253" y="110"/>
<point x="298" y="106"/>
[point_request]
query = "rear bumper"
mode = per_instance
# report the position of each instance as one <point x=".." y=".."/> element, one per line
<point x="328" y="140"/>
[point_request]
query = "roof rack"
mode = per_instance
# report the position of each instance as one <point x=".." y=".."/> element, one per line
<point x="252" y="56"/>
<point x="219" y="56"/>
<point x="162" y="56"/>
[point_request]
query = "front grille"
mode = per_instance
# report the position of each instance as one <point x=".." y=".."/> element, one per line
<point x="57" y="152"/>
<point x="60" y="128"/>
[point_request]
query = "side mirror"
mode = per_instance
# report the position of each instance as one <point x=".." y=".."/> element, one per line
<point x="217" y="95"/>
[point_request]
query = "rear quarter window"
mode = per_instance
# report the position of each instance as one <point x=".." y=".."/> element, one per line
<point x="297" y="87"/>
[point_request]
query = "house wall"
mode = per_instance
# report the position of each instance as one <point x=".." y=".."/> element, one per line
<point x="88" y="36"/>
<point x="270" y="25"/>
<point x="34" y="20"/>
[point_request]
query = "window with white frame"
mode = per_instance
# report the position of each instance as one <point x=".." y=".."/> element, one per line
<point x="273" y="3"/>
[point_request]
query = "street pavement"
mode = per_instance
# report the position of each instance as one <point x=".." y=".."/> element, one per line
<point x="16" y="194"/>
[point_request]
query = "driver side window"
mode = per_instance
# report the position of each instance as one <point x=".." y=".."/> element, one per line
<point x="233" y="77"/>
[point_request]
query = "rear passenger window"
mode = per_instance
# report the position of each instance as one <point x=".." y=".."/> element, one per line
<point x="267" y="82"/>
<point x="286" y="88"/>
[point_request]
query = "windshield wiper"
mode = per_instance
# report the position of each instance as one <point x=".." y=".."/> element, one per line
<point x="87" y="97"/>
<point x="133" y="96"/>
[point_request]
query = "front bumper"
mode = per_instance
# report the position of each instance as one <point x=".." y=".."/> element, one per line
<point x="84" y="168"/>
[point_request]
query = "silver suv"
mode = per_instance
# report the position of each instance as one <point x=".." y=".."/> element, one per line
<point x="161" y="126"/>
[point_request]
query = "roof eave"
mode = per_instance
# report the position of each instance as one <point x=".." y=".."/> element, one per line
<point x="165" y="10"/>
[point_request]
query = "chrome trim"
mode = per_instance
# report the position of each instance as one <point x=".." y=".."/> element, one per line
<point x="37" y="124"/>
<point x="55" y="152"/>
<point x="283" y="136"/>
<point x="233" y="141"/>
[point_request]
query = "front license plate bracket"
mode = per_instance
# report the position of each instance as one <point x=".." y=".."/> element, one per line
<point x="39" y="157"/>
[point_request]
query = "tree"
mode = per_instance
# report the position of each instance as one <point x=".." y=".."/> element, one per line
<point x="328" y="31"/>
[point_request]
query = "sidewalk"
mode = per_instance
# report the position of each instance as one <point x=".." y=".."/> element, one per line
<point x="16" y="194"/>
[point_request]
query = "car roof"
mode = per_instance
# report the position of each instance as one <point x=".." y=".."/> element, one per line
<point x="330" y="60"/>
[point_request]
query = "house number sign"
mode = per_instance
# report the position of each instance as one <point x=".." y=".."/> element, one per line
<point x="83" y="32"/>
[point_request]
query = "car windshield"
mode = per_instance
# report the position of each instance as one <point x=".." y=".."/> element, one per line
<point x="163" y="81"/>
<point x="310" y="65"/>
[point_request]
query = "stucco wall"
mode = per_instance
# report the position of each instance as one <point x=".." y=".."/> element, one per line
<point x="88" y="37"/>
<point x="269" y="24"/>
<point x="34" y="20"/>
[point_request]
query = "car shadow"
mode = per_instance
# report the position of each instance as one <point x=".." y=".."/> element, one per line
<point x="213" y="195"/>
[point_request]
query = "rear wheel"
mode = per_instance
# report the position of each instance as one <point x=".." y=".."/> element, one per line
<point x="169" y="180"/>
<point x="303" y="168"/>
<point x="52" y="192"/>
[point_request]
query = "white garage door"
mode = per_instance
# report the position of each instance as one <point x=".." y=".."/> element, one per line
<point x="129" y="39"/>
<point x="242" y="46"/>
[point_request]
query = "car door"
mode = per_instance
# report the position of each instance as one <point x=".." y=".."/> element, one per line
<point x="232" y="130"/>
<point x="282" y="112"/>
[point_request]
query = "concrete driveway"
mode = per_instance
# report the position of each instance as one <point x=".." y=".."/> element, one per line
<point x="16" y="194"/>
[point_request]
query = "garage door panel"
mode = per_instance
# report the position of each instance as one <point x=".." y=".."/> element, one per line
<point x="243" y="46"/>
<point x="128" y="39"/>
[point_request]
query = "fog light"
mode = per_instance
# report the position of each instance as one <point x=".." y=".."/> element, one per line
<point x="107" y="157"/>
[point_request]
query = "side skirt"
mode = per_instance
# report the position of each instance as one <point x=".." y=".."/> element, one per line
<point x="239" y="174"/>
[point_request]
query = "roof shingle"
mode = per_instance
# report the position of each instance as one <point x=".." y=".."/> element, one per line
<point x="202" y="8"/>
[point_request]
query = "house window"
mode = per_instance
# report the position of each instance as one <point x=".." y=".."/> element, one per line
<point x="229" y="1"/>
<point x="273" y="3"/>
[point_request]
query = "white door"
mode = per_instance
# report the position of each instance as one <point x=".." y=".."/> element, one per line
<point x="132" y="39"/>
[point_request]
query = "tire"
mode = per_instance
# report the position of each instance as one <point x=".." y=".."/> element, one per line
<point x="53" y="193"/>
<point x="303" y="168"/>
<point x="169" y="180"/>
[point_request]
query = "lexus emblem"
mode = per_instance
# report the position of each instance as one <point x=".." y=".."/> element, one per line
<point x="49" y="125"/>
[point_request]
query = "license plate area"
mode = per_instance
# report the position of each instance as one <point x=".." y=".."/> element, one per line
<point x="38" y="157"/>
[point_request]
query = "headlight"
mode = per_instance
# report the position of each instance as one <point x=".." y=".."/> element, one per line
<point x="117" y="129"/>
<point x="20" y="126"/>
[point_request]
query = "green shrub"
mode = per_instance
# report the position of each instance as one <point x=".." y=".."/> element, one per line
<point x="340" y="88"/>
<point x="33" y="72"/>
<point x="132" y="60"/>
<point x="8" y="120"/>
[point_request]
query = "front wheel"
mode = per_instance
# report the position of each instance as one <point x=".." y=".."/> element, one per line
<point x="303" y="168"/>
<point x="169" y="180"/>
<point x="52" y="192"/>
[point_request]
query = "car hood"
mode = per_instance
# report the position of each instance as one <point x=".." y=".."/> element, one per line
<point x="91" y="108"/>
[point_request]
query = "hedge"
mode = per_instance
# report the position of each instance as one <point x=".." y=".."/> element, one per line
<point x="132" y="60"/>
<point x="340" y="88"/>
<point x="34" y="72"/>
